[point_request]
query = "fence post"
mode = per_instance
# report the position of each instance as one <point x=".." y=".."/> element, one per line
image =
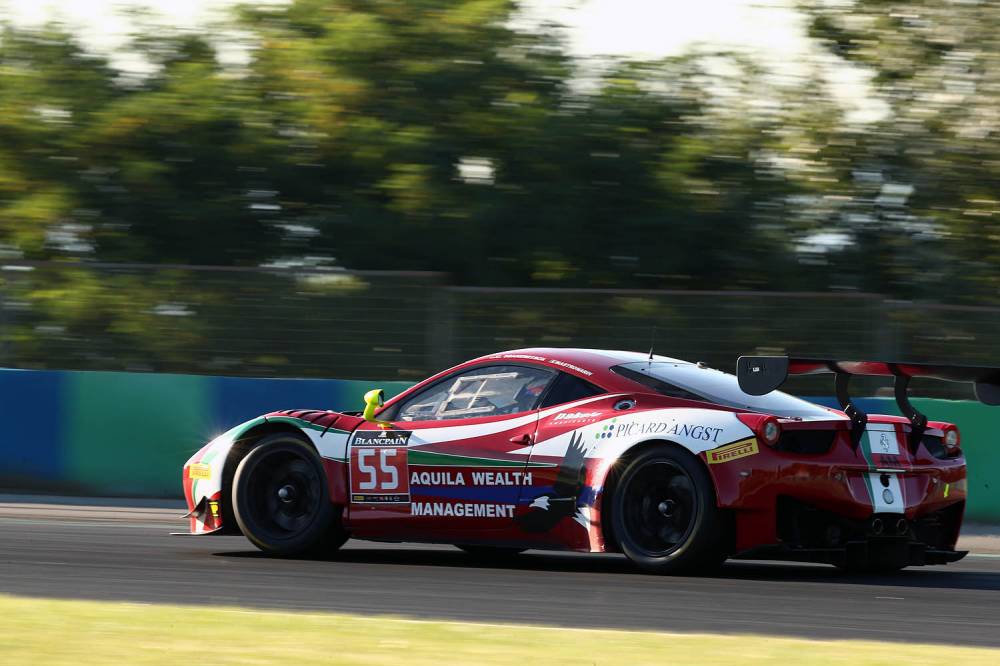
<point x="439" y="348"/>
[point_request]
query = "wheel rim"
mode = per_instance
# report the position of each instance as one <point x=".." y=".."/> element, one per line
<point x="659" y="508"/>
<point x="284" y="492"/>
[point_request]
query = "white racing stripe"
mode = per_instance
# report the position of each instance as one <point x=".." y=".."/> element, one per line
<point x="886" y="499"/>
<point x="452" y="433"/>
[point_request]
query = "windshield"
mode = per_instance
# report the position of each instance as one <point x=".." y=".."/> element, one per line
<point x="717" y="387"/>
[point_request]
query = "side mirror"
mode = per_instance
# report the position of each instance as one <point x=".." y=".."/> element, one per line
<point x="373" y="400"/>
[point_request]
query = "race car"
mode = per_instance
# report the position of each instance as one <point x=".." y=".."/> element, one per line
<point x="675" y="464"/>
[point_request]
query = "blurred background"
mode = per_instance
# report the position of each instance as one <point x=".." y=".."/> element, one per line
<point x="378" y="189"/>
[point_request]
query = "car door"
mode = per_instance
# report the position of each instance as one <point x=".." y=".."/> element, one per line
<point x="444" y="466"/>
<point x="554" y="504"/>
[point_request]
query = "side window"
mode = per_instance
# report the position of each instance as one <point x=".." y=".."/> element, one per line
<point x="484" y="391"/>
<point x="658" y="385"/>
<point x="567" y="388"/>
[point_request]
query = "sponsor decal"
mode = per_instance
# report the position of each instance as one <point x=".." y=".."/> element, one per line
<point x="379" y="467"/>
<point x="478" y="478"/>
<point x="462" y="510"/>
<point x="576" y="368"/>
<point x="542" y="359"/>
<point x="741" y="449"/>
<point x="200" y="471"/>
<point x="380" y="499"/>
<point x="887" y="496"/>
<point x="575" y="416"/>
<point x="673" y="428"/>
<point x="437" y="479"/>
<point x="501" y="478"/>
<point x="527" y="357"/>
<point x="382" y="438"/>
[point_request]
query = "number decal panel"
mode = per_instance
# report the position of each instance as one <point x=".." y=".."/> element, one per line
<point x="379" y="467"/>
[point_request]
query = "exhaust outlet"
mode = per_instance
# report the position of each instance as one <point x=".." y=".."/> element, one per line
<point x="902" y="527"/>
<point x="877" y="526"/>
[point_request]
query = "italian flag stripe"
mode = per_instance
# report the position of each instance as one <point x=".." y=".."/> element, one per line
<point x="866" y="451"/>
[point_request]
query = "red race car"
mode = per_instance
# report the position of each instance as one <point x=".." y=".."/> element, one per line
<point x="675" y="464"/>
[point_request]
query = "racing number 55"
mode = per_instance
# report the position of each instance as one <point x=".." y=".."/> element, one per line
<point x="379" y="468"/>
<point x="384" y="477"/>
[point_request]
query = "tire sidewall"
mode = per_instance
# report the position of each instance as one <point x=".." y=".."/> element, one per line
<point x="307" y="538"/>
<point x="702" y="545"/>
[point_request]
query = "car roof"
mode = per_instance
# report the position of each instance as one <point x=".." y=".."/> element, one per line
<point x="592" y="359"/>
<point x="591" y="364"/>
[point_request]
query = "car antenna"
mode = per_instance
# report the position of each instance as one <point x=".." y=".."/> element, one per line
<point x="652" y="342"/>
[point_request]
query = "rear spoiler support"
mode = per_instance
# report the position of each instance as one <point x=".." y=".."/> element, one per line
<point x="918" y="422"/>
<point x="759" y="375"/>
<point x="858" y="418"/>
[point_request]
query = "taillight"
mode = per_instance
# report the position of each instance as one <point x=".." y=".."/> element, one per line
<point x="770" y="432"/>
<point x="767" y="428"/>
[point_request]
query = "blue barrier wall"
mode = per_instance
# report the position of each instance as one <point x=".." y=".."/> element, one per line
<point x="127" y="434"/>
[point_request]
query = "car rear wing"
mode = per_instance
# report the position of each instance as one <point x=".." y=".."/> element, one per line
<point x="759" y="375"/>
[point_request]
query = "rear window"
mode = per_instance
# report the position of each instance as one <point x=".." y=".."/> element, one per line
<point x="687" y="380"/>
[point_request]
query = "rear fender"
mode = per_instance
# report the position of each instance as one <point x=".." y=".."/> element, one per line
<point x="610" y="442"/>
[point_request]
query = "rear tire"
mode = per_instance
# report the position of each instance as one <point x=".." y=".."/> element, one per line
<point x="281" y="500"/>
<point x="664" y="514"/>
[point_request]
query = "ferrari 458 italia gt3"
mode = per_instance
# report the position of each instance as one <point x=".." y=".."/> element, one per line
<point x="675" y="464"/>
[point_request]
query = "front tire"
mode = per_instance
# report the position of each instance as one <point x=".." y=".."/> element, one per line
<point x="664" y="513"/>
<point x="281" y="500"/>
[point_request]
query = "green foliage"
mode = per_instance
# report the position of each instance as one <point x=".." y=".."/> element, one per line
<point x="926" y="174"/>
<point x="433" y="135"/>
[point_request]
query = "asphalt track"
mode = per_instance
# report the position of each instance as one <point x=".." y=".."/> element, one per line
<point x="126" y="553"/>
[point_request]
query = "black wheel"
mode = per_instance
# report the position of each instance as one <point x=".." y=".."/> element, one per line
<point x="490" y="552"/>
<point x="281" y="501"/>
<point x="664" y="514"/>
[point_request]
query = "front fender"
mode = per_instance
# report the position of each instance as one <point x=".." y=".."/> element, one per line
<point x="203" y="475"/>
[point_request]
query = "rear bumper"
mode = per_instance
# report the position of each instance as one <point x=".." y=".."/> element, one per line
<point x="793" y="499"/>
<point x="807" y="533"/>
<point x="876" y="553"/>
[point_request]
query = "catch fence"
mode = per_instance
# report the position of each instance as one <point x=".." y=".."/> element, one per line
<point x="403" y="326"/>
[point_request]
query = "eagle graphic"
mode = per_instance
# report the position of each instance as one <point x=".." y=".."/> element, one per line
<point x="545" y="511"/>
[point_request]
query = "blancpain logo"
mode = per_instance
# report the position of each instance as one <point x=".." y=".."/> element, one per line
<point x="575" y="416"/>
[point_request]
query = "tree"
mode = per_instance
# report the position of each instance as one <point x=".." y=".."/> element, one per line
<point x="927" y="172"/>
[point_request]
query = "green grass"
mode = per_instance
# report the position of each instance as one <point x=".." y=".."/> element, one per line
<point x="36" y="631"/>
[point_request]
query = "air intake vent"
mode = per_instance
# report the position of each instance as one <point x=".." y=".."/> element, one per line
<point x="806" y="441"/>
<point x="935" y="446"/>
